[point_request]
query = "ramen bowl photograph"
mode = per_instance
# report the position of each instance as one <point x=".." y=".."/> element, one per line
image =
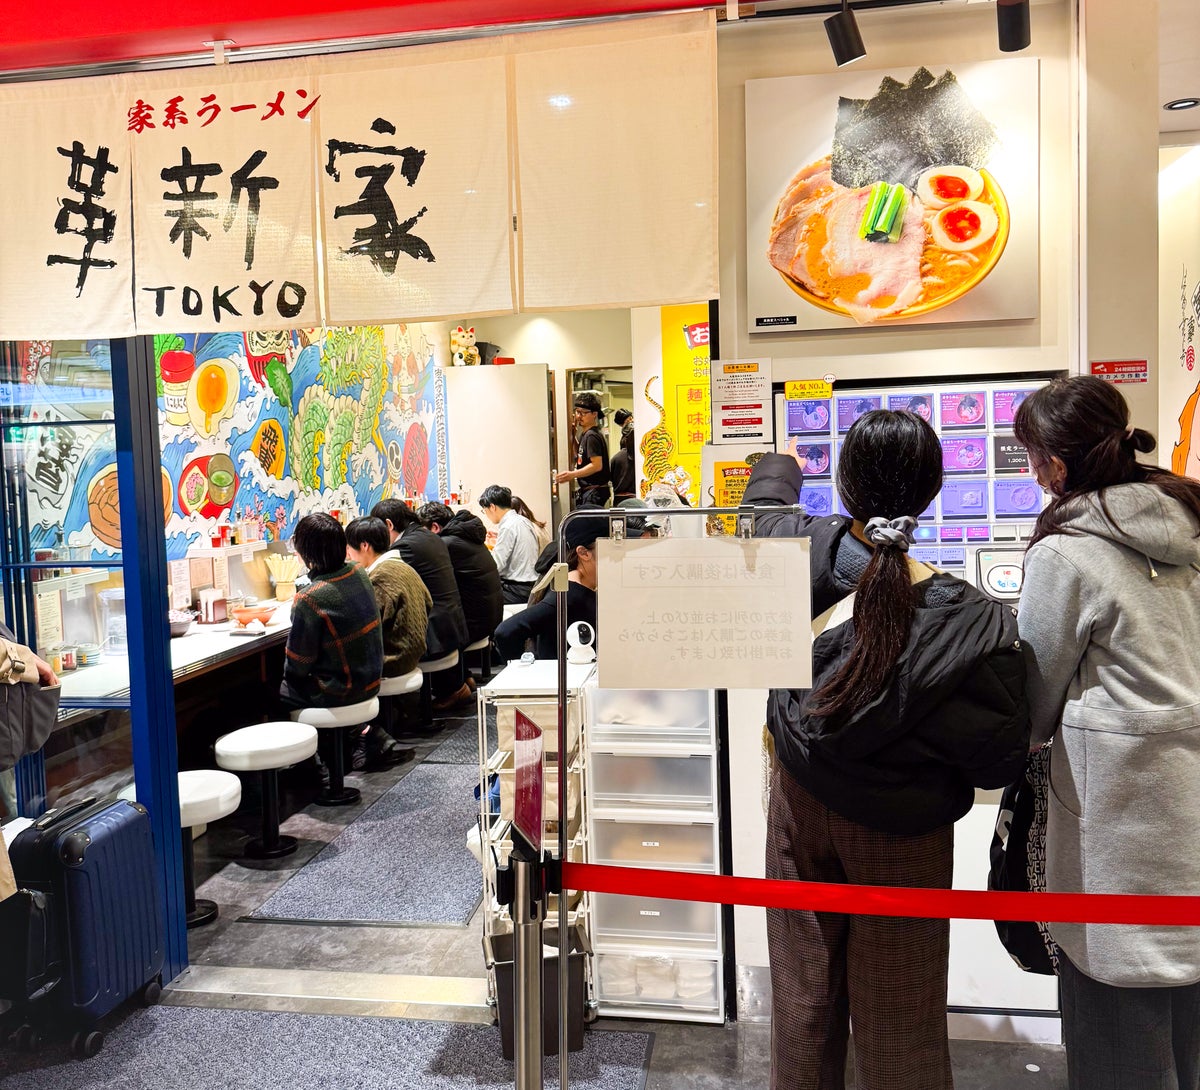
<point x="879" y="199"/>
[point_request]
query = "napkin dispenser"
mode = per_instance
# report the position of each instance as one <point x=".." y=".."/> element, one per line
<point x="211" y="606"/>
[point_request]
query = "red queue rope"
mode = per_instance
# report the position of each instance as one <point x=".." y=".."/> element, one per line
<point x="962" y="904"/>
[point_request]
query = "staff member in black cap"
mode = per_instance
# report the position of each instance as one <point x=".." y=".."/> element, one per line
<point x="539" y="621"/>
<point x="591" y="461"/>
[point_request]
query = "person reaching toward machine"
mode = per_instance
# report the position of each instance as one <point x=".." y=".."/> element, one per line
<point x="918" y="698"/>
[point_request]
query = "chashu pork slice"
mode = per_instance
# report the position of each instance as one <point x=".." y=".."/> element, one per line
<point x="893" y="269"/>
<point x="806" y="196"/>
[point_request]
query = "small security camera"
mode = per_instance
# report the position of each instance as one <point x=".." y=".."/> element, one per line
<point x="581" y="637"/>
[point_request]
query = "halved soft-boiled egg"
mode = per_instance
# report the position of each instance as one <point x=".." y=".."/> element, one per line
<point x="940" y="186"/>
<point x="964" y="226"/>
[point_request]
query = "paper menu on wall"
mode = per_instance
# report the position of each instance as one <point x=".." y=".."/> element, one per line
<point x="200" y="572"/>
<point x="220" y="573"/>
<point x="49" y="620"/>
<point x="181" y="584"/>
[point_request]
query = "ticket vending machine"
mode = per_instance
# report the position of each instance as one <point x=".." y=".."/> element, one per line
<point x="996" y="570"/>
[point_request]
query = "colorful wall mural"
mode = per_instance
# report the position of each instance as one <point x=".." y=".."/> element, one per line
<point x="1179" y="309"/>
<point x="259" y="428"/>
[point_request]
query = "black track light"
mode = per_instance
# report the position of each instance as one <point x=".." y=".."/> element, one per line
<point x="1012" y="24"/>
<point x="844" y="38"/>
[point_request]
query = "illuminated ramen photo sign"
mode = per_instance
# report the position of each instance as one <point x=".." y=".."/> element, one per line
<point x="876" y="198"/>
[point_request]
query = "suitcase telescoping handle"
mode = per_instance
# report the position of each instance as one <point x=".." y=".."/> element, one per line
<point x="63" y="814"/>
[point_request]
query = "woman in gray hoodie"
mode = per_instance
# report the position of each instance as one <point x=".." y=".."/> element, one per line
<point x="1110" y="611"/>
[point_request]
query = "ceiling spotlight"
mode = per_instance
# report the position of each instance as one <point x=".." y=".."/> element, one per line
<point x="844" y="38"/>
<point x="1012" y="23"/>
<point x="1182" y="104"/>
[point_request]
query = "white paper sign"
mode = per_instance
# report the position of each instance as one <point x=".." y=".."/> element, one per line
<point x="220" y="573"/>
<point x="741" y="401"/>
<point x="181" y="584"/>
<point x="49" y="620"/>
<point x="715" y="613"/>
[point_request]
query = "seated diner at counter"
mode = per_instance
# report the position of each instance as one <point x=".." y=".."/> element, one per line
<point x="335" y="647"/>
<point x="403" y="600"/>
<point x="538" y="622"/>
<point x="475" y="571"/>
<point x="516" y="549"/>
<point x="447" y="628"/>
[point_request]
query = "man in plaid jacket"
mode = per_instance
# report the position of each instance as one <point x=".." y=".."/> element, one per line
<point x="335" y="647"/>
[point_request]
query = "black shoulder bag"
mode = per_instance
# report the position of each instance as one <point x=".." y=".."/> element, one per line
<point x="1018" y="857"/>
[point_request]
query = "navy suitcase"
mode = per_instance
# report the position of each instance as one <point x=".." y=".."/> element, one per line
<point x="95" y="863"/>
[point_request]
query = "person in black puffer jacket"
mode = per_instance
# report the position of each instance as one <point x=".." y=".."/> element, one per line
<point x="918" y="698"/>
<point x="474" y="569"/>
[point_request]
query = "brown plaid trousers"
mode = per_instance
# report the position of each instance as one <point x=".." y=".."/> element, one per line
<point x="885" y="975"/>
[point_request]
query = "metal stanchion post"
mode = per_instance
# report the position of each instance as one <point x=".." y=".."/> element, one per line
<point x="745" y="516"/>
<point x="527" y="913"/>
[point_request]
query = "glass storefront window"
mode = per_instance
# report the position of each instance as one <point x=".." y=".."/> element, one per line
<point x="60" y="554"/>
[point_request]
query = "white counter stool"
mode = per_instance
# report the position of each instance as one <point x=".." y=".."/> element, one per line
<point x="342" y="721"/>
<point x="484" y="649"/>
<point x="403" y="684"/>
<point x="266" y="748"/>
<point x="392" y="689"/>
<point x="429" y="667"/>
<point x="205" y="795"/>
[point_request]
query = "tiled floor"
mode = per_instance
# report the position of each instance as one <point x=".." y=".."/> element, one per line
<point x="240" y="886"/>
<point x="438" y="972"/>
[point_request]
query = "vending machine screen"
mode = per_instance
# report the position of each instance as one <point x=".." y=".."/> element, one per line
<point x="989" y="494"/>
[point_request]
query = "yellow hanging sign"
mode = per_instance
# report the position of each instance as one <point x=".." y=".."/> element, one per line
<point x="807" y="389"/>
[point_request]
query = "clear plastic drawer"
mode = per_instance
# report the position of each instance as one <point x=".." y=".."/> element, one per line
<point x="545" y="714"/>
<point x="654" y="844"/>
<point x="653" y="921"/>
<point x="646" y="779"/>
<point x="630" y="711"/>
<point x="679" y="983"/>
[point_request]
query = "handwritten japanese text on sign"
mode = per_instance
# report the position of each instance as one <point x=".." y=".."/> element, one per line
<point x="680" y="613"/>
<point x="223" y="200"/>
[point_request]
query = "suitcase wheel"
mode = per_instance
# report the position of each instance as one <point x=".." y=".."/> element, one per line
<point x="25" y="1038"/>
<point x="87" y="1044"/>
<point x="151" y="993"/>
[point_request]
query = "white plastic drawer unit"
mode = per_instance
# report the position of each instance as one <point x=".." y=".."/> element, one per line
<point x="678" y="843"/>
<point x="654" y="922"/>
<point x="678" y="983"/>
<point x="637" y="712"/>
<point x="679" y="779"/>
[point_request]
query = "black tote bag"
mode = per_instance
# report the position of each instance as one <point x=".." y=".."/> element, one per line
<point x="27" y="715"/>
<point x="1018" y="862"/>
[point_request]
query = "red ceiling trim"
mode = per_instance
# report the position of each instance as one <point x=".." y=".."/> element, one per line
<point x="81" y="32"/>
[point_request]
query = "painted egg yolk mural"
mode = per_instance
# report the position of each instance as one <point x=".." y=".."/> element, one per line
<point x="212" y="388"/>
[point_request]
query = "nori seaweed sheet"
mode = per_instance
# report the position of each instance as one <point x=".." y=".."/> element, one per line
<point x="907" y="128"/>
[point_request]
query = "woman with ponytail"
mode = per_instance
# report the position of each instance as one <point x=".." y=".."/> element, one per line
<point x="1110" y="611"/>
<point x="918" y="698"/>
